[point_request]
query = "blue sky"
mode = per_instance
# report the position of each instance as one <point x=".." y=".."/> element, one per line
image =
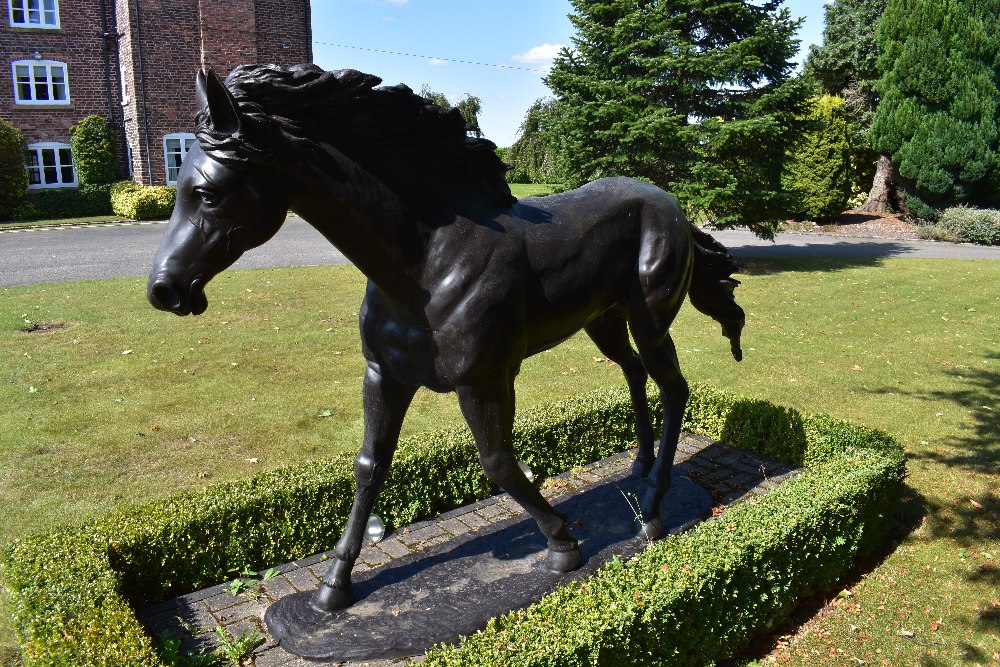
<point x="496" y="50"/>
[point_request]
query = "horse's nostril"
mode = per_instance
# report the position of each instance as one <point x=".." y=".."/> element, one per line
<point x="163" y="296"/>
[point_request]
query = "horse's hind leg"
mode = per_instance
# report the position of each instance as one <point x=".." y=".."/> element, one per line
<point x="610" y="333"/>
<point x="660" y="359"/>
<point x="385" y="405"/>
<point x="488" y="408"/>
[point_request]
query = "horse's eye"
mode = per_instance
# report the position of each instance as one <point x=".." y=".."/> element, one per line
<point x="209" y="197"/>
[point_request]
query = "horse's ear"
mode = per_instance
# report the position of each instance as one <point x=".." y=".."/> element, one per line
<point x="211" y="94"/>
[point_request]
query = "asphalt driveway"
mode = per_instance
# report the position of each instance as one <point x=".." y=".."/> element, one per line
<point x="59" y="254"/>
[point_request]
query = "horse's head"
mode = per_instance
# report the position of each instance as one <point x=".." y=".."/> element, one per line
<point x="223" y="209"/>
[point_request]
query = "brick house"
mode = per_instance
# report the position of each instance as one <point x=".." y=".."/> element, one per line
<point x="133" y="62"/>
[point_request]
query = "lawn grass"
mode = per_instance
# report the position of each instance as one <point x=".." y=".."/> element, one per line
<point x="124" y="403"/>
<point x="520" y="190"/>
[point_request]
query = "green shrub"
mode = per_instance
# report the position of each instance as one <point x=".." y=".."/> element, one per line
<point x="142" y="202"/>
<point x="818" y="169"/>
<point x="71" y="590"/>
<point x="13" y="175"/>
<point x="94" y="199"/>
<point x="93" y="144"/>
<point x="971" y="225"/>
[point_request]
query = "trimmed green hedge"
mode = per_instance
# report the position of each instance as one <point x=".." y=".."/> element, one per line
<point x="92" y="199"/>
<point x="72" y="591"/>
<point x="142" y="202"/>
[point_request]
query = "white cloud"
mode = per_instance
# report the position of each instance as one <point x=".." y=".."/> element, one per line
<point x="539" y="55"/>
<point x="437" y="61"/>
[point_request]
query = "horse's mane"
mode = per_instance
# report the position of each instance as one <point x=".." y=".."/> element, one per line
<point x="303" y="103"/>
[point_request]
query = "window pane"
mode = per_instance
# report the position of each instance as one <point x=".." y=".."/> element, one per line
<point x="58" y="74"/>
<point x="48" y="157"/>
<point x="18" y="15"/>
<point x="66" y="174"/>
<point x="34" y="173"/>
<point x="59" y="92"/>
<point x="51" y="175"/>
<point x="41" y="91"/>
<point x="65" y="156"/>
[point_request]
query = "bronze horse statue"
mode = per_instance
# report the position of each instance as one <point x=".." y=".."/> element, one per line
<point x="464" y="281"/>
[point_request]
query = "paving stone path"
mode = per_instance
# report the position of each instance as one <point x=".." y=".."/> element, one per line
<point x="727" y="473"/>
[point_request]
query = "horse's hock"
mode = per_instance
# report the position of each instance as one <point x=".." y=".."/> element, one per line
<point x="433" y="581"/>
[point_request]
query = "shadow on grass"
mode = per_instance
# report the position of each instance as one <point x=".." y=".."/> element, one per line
<point x="837" y="256"/>
<point x="975" y="449"/>
<point x="789" y="263"/>
<point x="908" y="516"/>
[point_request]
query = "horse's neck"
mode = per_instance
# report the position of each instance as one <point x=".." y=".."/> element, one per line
<point x="370" y="226"/>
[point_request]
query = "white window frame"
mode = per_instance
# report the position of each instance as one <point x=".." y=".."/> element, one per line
<point x="40" y="12"/>
<point x="37" y="150"/>
<point x="50" y="67"/>
<point x="184" y="142"/>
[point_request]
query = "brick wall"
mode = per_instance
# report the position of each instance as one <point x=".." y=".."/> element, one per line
<point x="81" y="44"/>
<point x="161" y="45"/>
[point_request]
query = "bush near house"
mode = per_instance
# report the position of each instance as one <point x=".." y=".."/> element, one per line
<point x="142" y="202"/>
<point x="684" y="601"/>
<point x="93" y="144"/>
<point x="13" y="176"/>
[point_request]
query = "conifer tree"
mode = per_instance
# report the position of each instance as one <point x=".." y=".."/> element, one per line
<point x="846" y="64"/>
<point x="693" y="95"/>
<point x="940" y="107"/>
<point x="819" y="166"/>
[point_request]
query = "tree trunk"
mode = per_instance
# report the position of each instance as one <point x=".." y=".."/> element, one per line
<point x="882" y="197"/>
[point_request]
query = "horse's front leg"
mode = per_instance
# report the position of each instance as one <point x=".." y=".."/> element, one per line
<point x="488" y="408"/>
<point x="385" y="405"/>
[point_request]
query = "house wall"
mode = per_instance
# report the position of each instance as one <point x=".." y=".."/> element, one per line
<point x="81" y="44"/>
<point x="158" y="46"/>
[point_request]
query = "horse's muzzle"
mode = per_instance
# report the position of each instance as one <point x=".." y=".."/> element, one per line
<point x="165" y="295"/>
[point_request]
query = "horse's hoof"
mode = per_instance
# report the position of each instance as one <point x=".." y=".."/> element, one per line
<point x="330" y="597"/>
<point x="652" y="530"/>
<point x="641" y="468"/>
<point x="563" y="561"/>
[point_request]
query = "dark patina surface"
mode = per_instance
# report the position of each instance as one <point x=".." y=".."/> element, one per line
<point x="464" y="281"/>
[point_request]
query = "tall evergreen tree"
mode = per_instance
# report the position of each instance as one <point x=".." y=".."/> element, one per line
<point x="940" y="108"/>
<point x="846" y="64"/>
<point x="693" y="95"/>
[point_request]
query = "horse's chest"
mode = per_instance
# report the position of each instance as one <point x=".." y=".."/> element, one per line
<point x="453" y="342"/>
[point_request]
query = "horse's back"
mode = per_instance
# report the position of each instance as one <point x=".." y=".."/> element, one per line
<point x="613" y="242"/>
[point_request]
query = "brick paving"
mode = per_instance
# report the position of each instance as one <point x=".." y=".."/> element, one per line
<point x="727" y="473"/>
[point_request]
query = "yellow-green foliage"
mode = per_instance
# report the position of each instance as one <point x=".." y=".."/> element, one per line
<point x="818" y="168"/>
<point x="72" y="591"/>
<point x="142" y="202"/>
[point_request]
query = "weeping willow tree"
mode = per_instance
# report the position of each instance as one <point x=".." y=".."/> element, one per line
<point x="535" y="155"/>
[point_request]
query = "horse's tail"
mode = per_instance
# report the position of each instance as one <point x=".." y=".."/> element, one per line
<point x="712" y="287"/>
